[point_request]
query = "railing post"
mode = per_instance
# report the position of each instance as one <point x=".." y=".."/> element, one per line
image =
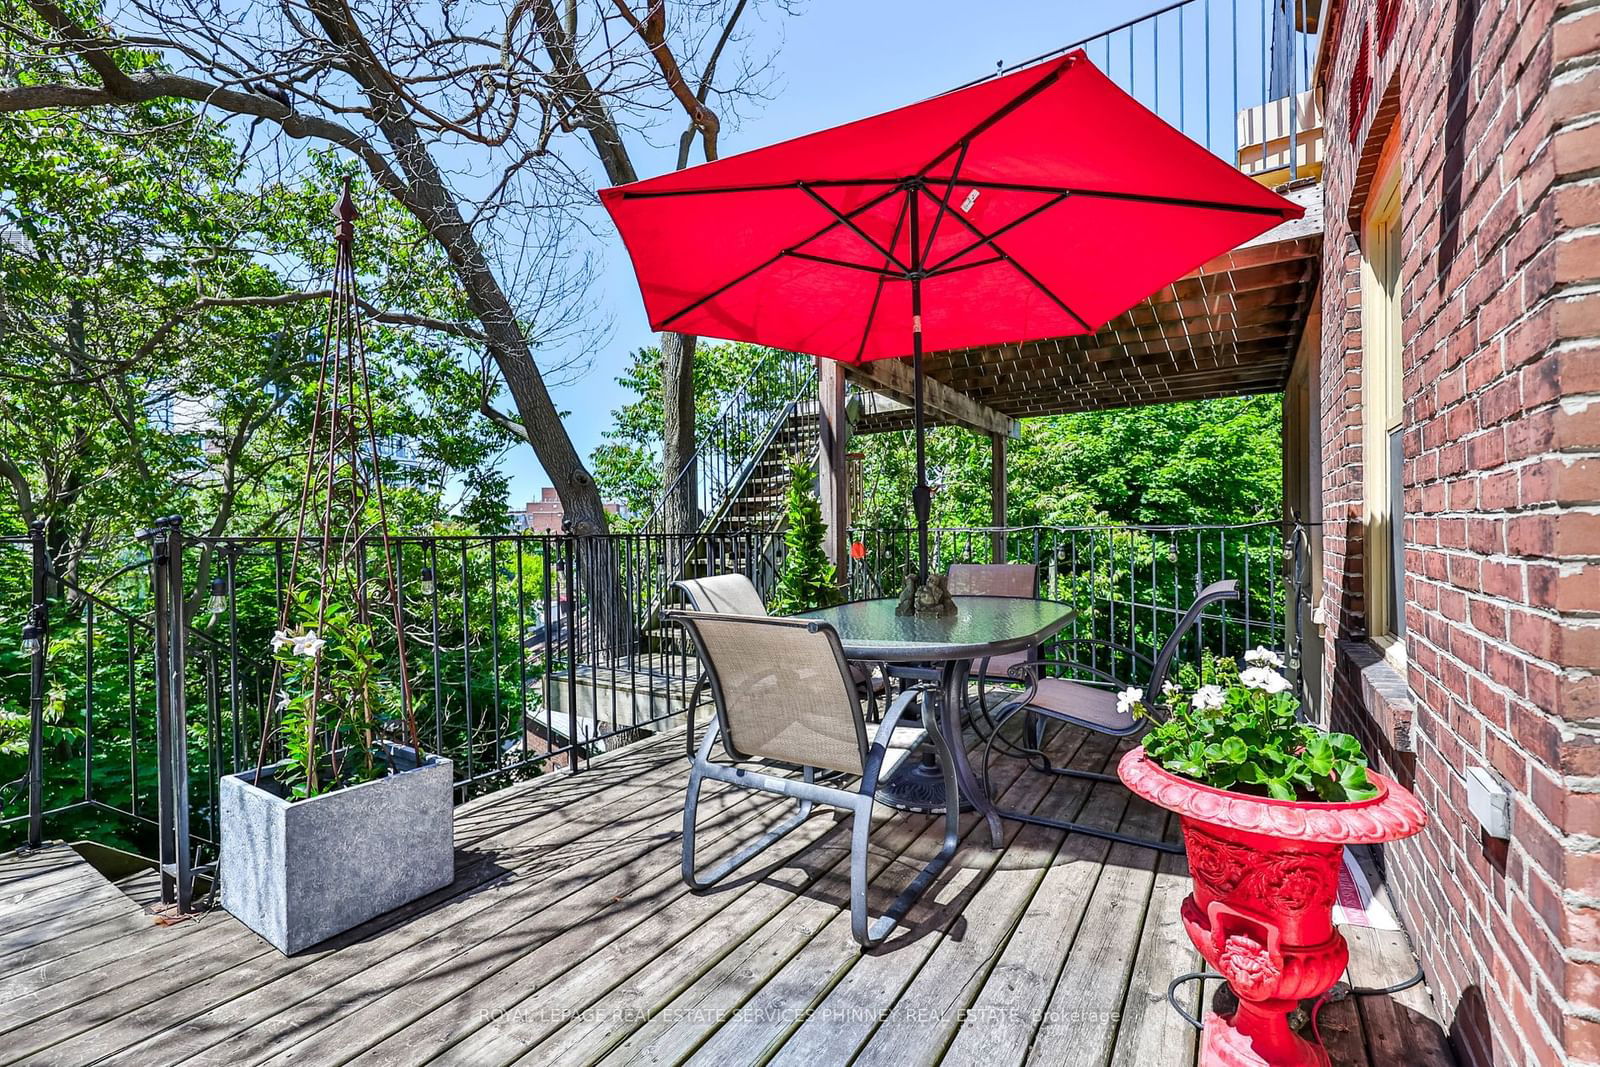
<point x="172" y="746"/>
<point x="34" y="639"/>
<point x="997" y="497"/>
<point x="572" y="654"/>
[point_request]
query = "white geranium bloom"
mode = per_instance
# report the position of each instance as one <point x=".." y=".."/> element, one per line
<point x="1261" y="656"/>
<point x="1129" y="699"/>
<point x="1169" y="689"/>
<point x="281" y="640"/>
<point x="1263" y="678"/>
<point x="309" y="645"/>
<point x="1209" y="697"/>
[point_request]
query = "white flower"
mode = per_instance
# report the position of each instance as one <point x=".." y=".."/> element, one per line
<point x="309" y="645"/>
<point x="1169" y="690"/>
<point x="1129" y="700"/>
<point x="1263" y="678"/>
<point x="281" y="640"/>
<point x="1209" y="697"/>
<point x="283" y="701"/>
<point x="1262" y="656"/>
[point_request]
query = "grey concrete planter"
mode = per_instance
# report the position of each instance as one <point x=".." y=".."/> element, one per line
<point x="299" y="873"/>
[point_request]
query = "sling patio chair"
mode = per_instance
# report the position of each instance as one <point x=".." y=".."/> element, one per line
<point x="1091" y="705"/>
<point x="784" y="695"/>
<point x="1020" y="580"/>
<point x="736" y="594"/>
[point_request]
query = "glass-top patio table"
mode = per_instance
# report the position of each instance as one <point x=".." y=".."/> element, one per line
<point x="943" y="649"/>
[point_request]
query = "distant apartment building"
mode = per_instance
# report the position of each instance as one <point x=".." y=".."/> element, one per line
<point x="546" y="515"/>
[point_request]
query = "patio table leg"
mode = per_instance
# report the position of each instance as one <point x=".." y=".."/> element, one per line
<point x="952" y="701"/>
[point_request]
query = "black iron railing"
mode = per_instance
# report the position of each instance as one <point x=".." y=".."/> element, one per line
<point x="1129" y="584"/>
<point x="1233" y="75"/>
<point x="528" y="654"/>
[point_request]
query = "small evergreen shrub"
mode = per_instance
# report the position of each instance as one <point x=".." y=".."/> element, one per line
<point x="807" y="580"/>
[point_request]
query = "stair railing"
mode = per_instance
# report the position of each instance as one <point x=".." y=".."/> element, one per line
<point x="730" y="449"/>
<point x="727" y="454"/>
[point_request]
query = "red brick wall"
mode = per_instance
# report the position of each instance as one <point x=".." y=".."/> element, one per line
<point x="1497" y="107"/>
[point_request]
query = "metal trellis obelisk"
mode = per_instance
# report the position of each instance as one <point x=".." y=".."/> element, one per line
<point x="329" y="596"/>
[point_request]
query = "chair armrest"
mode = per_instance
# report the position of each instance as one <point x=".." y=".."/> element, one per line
<point x="1029" y="672"/>
<point x="892" y="717"/>
<point x="1124" y="650"/>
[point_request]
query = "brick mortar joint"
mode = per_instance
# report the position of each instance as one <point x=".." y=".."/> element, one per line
<point x="1574" y="10"/>
<point x="1578" y="233"/>
<point x="1573" y="69"/>
<point x="1516" y="466"/>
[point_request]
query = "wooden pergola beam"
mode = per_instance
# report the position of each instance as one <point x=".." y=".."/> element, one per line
<point x="894" y="377"/>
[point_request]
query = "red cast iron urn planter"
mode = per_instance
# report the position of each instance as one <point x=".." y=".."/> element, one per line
<point x="1266" y="873"/>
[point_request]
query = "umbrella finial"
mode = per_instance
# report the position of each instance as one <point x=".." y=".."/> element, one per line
<point x="345" y="211"/>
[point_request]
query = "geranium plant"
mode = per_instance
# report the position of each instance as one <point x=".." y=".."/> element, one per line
<point x="1238" y="730"/>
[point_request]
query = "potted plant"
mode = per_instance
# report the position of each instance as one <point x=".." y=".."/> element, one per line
<point x="351" y="823"/>
<point x="1266" y="804"/>
<point x="355" y="819"/>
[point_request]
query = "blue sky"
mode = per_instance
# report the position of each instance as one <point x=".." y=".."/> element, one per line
<point x="840" y="60"/>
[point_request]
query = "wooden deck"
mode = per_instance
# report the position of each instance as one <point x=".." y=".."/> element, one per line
<point x="568" y="937"/>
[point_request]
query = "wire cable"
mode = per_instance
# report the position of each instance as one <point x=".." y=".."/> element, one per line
<point x="1355" y="991"/>
<point x="1172" y="994"/>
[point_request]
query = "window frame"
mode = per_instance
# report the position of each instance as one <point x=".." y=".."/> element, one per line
<point x="1382" y="413"/>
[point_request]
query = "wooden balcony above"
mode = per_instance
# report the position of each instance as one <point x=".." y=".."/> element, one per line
<point x="1229" y="328"/>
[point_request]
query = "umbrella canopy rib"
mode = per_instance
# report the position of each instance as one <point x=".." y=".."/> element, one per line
<point x="999" y="113"/>
<point x="944" y="201"/>
<point x="846" y="220"/>
<point x="877" y="292"/>
<point x="1006" y="257"/>
<point x="775" y="257"/>
<point x="989" y="238"/>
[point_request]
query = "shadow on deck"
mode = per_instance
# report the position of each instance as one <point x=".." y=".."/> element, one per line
<point x="567" y="937"/>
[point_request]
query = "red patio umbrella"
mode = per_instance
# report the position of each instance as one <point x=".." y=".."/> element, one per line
<point x="1039" y="204"/>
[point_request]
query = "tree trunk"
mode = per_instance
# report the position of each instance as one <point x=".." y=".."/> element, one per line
<point x="428" y="198"/>
<point x="677" y="436"/>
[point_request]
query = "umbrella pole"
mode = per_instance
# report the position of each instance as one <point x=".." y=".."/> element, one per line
<point x="921" y="496"/>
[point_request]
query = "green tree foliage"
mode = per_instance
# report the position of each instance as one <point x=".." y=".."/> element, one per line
<point x="159" y="349"/>
<point x="1205" y="462"/>
<point x="160" y="339"/>
<point x="807" y="580"/>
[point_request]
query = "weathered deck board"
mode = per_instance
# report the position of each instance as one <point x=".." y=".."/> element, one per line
<point x="1397" y="1026"/>
<point x="847" y="1018"/>
<point x="1080" y="1022"/>
<point x="1149" y="1031"/>
<point x="568" y="938"/>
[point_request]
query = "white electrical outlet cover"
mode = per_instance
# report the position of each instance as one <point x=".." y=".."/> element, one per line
<point x="1489" y="800"/>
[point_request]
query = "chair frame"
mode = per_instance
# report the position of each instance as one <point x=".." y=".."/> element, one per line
<point x="981" y="672"/>
<point x="1032" y="744"/>
<point x="857" y="800"/>
<point x="687" y="587"/>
